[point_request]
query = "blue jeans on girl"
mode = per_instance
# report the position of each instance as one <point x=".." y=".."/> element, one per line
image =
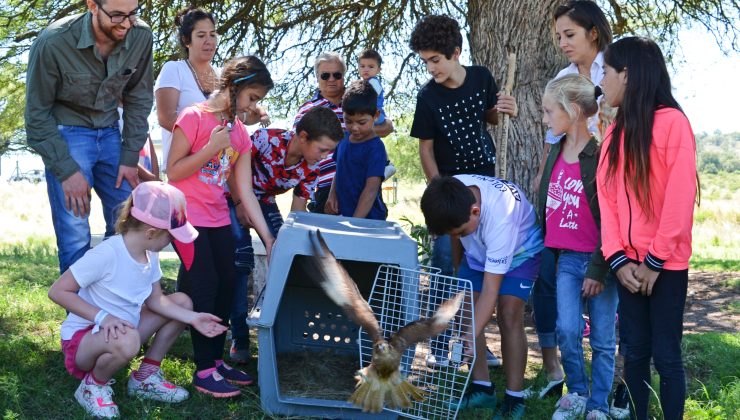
<point x="602" y="308"/>
<point x="244" y="262"/>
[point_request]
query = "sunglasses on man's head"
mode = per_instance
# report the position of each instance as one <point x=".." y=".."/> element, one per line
<point x="337" y="75"/>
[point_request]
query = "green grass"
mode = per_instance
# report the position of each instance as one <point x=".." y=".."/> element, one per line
<point x="34" y="383"/>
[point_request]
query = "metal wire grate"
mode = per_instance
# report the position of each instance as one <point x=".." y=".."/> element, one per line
<point x="400" y="296"/>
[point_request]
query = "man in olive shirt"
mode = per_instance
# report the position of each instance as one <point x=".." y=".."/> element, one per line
<point x="80" y="68"/>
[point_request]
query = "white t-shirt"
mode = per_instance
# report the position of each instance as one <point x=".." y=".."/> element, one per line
<point x="507" y="234"/>
<point x="597" y="73"/>
<point x="112" y="280"/>
<point x="177" y="75"/>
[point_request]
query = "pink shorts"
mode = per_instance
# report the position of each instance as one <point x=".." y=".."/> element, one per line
<point x="69" y="348"/>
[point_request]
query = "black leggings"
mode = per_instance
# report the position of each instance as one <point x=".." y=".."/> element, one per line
<point x="210" y="284"/>
<point x="653" y="328"/>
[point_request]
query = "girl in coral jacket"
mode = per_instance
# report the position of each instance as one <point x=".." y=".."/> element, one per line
<point x="647" y="186"/>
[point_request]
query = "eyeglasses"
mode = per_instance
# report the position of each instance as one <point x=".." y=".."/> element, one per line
<point x="118" y="18"/>
<point x="337" y="75"/>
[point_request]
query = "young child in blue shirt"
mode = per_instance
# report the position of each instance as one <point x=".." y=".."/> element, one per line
<point x="360" y="157"/>
<point x="369" y="63"/>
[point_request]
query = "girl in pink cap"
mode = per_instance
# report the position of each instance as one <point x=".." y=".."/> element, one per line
<point x="105" y="291"/>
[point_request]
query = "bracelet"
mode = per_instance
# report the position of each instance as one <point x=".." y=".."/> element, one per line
<point x="237" y="202"/>
<point x="99" y="317"/>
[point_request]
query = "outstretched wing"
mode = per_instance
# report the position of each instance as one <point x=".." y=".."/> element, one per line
<point x="429" y="327"/>
<point x="340" y="287"/>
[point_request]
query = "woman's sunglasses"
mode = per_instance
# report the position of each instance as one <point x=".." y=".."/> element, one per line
<point x="337" y="75"/>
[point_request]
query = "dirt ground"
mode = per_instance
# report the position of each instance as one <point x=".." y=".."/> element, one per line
<point x="708" y="299"/>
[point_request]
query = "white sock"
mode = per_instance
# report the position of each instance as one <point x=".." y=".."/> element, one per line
<point x="518" y="394"/>
<point x="483" y="383"/>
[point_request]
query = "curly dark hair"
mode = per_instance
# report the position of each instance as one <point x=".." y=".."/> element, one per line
<point x="185" y="22"/>
<point x="439" y="33"/>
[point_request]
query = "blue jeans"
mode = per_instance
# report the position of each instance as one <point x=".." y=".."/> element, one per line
<point x="602" y="308"/>
<point x="442" y="255"/>
<point x="652" y="328"/>
<point x="544" y="301"/>
<point x="244" y="262"/>
<point x="97" y="152"/>
<point x="441" y="258"/>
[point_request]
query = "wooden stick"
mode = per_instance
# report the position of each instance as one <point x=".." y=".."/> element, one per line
<point x="504" y="142"/>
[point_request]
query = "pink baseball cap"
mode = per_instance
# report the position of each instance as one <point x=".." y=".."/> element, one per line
<point x="163" y="206"/>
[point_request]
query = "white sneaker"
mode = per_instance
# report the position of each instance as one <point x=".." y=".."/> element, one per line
<point x="597" y="415"/>
<point x="155" y="387"/>
<point x="570" y="406"/>
<point x="618" y="413"/>
<point x="97" y="400"/>
<point x="436" y="363"/>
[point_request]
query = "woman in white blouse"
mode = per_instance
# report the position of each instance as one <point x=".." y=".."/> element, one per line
<point x="185" y="82"/>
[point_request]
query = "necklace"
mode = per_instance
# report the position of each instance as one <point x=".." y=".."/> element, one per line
<point x="205" y="92"/>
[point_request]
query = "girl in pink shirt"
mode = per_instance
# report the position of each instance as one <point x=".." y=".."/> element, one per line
<point x="209" y="143"/>
<point x="647" y="186"/>
<point x="569" y="214"/>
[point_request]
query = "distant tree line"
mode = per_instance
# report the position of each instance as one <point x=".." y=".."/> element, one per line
<point x="718" y="152"/>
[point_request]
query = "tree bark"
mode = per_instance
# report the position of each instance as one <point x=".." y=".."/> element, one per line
<point x="498" y="27"/>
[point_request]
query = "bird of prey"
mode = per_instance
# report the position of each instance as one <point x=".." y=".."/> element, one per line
<point x="380" y="381"/>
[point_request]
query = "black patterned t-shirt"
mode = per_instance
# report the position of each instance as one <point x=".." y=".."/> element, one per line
<point x="455" y="120"/>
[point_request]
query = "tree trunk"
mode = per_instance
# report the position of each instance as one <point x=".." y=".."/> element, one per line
<point x="524" y="27"/>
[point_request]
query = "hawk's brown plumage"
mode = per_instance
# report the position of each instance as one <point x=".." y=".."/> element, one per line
<point x="380" y="381"/>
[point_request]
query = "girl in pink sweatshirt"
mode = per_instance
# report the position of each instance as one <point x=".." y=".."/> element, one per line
<point x="647" y="185"/>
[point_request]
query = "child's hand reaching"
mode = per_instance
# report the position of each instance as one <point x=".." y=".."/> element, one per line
<point x="208" y="324"/>
<point x="468" y="349"/>
<point x="112" y="325"/>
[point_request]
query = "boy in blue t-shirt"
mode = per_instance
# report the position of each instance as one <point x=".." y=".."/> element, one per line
<point x="360" y="157"/>
<point x="498" y="230"/>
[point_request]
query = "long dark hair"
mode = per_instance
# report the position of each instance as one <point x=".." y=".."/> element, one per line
<point x="648" y="89"/>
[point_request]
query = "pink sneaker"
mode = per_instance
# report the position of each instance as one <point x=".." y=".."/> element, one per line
<point x="155" y="387"/>
<point x="97" y="400"/>
<point x="587" y="329"/>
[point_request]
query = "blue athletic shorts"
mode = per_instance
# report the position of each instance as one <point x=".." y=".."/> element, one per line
<point x="517" y="282"/>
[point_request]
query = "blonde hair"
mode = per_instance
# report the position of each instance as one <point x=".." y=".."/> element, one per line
<point x="606" y="115"/>
<point x="574" y="89"/>
<point x="126" y="222"/>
